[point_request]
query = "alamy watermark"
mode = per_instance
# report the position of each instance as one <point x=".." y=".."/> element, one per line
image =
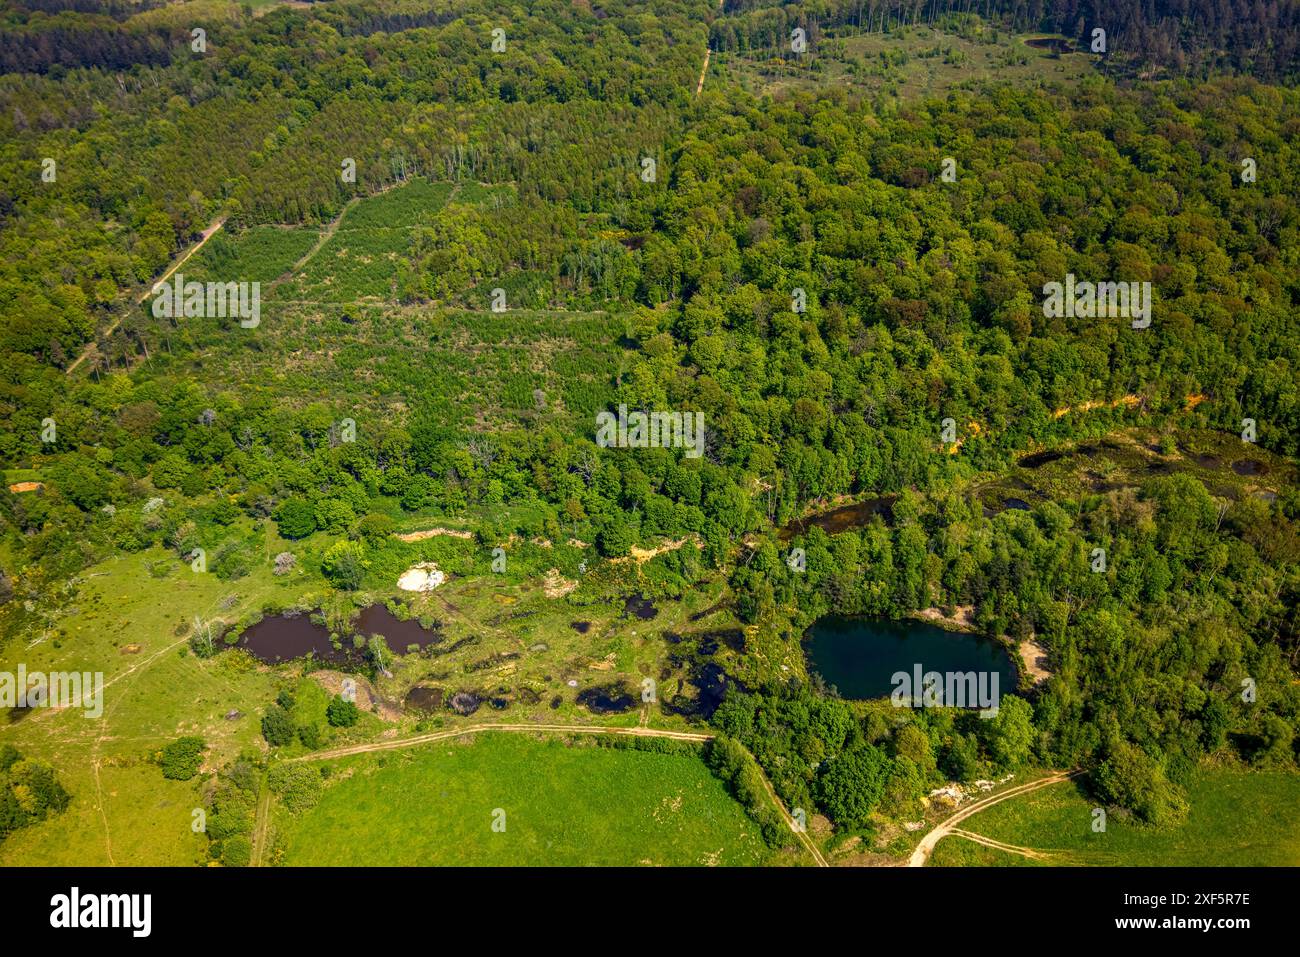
<point x="54" y="689"/>
<point x="212" y="300"/>
<point x="952" y="689"/>
<point x="651" y="430"/>
<point x="1098" y="300"/>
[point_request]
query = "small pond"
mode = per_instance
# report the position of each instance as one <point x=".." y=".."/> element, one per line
<point x="843" y="518"/>
<point x="860" y="656"/>
<point x="278" y="638"/>
<point x="400" y="635"/>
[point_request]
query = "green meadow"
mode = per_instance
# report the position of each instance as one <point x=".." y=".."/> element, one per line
<point x="1236" y="819"/>
<point x="130" y="620"/>
<point x="564" y="804"/>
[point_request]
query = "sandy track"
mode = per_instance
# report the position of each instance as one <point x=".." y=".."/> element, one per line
<point x="517" y="728"/>
<point x="207" y="234"/>
<point x="949" y="825"/>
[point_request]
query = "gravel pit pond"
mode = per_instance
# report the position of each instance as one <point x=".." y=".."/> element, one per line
<point x="860" y="656"/>
<point x="278" y="638"/>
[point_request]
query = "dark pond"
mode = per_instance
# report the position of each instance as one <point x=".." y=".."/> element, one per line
<point x="610" y="699"/>
<point x="709" y="683"/>
<point x="581" y="627"/>
<point x="400" y="635"/>
<point x="420" y="698"/>
<point x="465" y="702"/>
<point x="639" y="607"/>
<point x="1039" y="459"/>
<point x="1019" y="504"/>
<point x="709" y="642"/>
<point x="841" y="519"/>
<point x="1055" y="44"/>
<point x="278" y="638"/>
<point x="860" y="656"/>
<point x="1249" y="467"/>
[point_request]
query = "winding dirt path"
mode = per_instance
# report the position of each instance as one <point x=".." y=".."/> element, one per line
<point x="949" y="825"/>
<point x="1028" y="852"/>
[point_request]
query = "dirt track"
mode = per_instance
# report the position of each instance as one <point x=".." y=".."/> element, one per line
<point x="949" y="825"/>
<point x="207" y="234"/>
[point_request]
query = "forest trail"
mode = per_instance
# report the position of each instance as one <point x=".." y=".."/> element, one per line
<point x="699" y="87"/>
<point x="799" y="832"/>
<point x="949" y="825"/>
<point x="261" y="826"/>
<point x="203" y="238"/>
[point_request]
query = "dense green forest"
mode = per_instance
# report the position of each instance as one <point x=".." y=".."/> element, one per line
<point x="919" y="300"/>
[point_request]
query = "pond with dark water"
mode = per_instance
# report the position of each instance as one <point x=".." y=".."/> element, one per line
<point x="843" y="518"/>
<point x="860" y="656"/>
<point x="278" y="638"/>
<point x="400" y="635"/>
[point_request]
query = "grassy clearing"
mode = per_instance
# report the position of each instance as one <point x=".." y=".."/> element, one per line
<point x="1228" y="467"/>
<point x="361" y="261"/>
<point x="125" y="623"/>
<point x="1237" y="819"/>
<point x="505" y="639"/>
<point x="565" y="804"/>
<point x="913" y="64"/>
<point x="408" y="205"/>
<point x="259" y="254"/>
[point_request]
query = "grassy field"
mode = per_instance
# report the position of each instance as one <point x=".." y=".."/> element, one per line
<point x="1237" y="819"/>
<point x="913" y="64"/>
<point x="507" y="639"/>
<point x="564" y="804"/>
<point x="1127" y="458"/>
<point x="124" y="622"/>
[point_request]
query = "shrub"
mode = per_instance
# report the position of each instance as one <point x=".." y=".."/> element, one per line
<point x="296" y="518"/>
<point x="236" y="851"/>
<point x="297" y="785"/>
<point x="181" y="759"/>
<point x="344" y="564"/>
<point x="277" y="729"/>
<point x="342" y="714"/>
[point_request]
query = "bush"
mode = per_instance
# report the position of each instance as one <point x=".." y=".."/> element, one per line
<point x="277" y="729"/>
<point x="236" y="851"/>
<point x="296" y="518"/>
<point x="311" y="736"/>
<point x="297" y="785"/>
<point x="375" y="528"/>
<point x="851" y="785"/>
<point x="344" y="564"/>
<point x="342" y="714"/>
<point x="1131" y="778"/>
<point x="181" y="759"/>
